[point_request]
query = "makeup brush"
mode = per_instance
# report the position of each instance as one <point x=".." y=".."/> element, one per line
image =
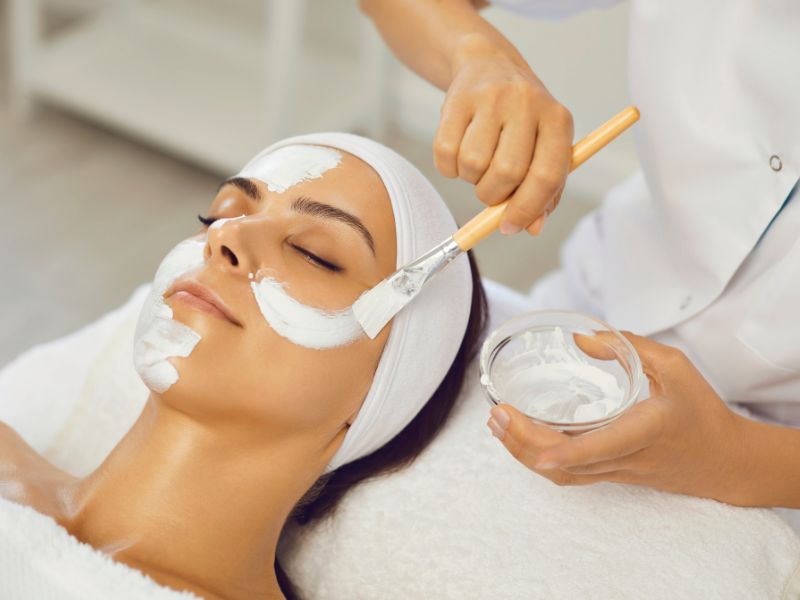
<point x="375" y="307"/>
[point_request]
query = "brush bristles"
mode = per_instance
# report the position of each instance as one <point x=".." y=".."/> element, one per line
<point x="376" y="307"/>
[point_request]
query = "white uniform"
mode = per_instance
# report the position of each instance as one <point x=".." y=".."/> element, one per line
<point x="702" y="249"/>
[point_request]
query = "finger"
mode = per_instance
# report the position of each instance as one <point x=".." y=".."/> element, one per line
<point x="652" y="352"/>
<point x="477" y="147"/>
<point x="536" y="227"/>
<point x="603" y="345"/>
<point x="630" y="463"/>
<point x="456" y="116"/>
<point x="523" y="438"/>
<point x="552" y="157"/>
<point x="633" y="431"/>
<point x="553" y="204"/>
<point x="548" y="210"/>
<point x="660" y="363"/>
<point x="665" y="366"/>
<point x="565" y="478"/>
<point x="511" y="160"/>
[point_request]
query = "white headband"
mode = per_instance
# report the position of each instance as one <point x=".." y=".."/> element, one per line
<point x="426" y="335"/>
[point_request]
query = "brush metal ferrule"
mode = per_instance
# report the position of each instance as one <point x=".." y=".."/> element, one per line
<point x="413" y="276"/>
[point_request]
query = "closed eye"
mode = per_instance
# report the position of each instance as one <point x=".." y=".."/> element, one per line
<point x="309" y="256"/>
<point x="316" y="260"/>
<point x="206" y="221"/>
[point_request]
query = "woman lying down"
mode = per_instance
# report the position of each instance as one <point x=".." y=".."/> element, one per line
<point x="267" y="402"/>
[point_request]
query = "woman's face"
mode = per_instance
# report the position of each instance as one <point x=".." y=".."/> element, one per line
<point x="326" y="240"/>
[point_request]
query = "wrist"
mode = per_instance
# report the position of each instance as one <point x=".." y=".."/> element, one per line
<point x="475" y="47"/>
<point x="766" y="460"/>
<point x="738" y="489"/>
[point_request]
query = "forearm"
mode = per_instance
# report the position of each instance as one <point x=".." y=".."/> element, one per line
<point x="768" y="469"/>
<point x="427" y="35"/>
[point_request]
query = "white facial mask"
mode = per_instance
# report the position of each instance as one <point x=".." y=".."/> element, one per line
<point x="301" y="324"/>
<point x="159" y="337"/>
<point x="220" y="222"/>
<point x="290" y="165"/>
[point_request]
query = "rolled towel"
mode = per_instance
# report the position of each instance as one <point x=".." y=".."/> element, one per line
<point x="40" y="560"/>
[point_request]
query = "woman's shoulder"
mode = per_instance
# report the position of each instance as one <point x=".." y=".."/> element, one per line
<point x="28" y="478"/>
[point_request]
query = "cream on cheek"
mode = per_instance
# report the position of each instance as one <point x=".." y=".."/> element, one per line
<point x="300" y="324"/>
<point x="158" y="336"/>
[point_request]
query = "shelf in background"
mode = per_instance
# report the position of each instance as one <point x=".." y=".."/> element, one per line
<point x="179" y="81"/>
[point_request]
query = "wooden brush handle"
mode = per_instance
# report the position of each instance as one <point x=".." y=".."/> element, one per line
<point x="485" y="222"/>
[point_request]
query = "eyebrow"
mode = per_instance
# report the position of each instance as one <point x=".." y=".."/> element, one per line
<point x="308" y="206"/>
<point x="247" y="186"/>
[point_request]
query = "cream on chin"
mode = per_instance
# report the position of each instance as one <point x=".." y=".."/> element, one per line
<point x="158" y="336"/>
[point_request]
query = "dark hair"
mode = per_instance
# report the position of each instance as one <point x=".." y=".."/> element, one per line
<point x="323" y="497"/>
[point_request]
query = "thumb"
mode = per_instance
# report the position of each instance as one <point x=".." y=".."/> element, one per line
<point x="523" y="438"/>
<point x="661" y="363"/>
<point x="603" y="345"/>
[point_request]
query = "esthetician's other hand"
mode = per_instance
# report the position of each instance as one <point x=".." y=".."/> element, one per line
<point x="502" y="130"/>
<point x="682" y="439"/>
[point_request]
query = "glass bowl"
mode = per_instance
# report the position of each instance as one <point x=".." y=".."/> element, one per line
<point x="534" y="363"/>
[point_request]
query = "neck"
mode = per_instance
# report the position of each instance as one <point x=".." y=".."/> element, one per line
<point x="196" y="508"/>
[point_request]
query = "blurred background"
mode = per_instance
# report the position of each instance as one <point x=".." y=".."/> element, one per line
<point x="119" y="118"/>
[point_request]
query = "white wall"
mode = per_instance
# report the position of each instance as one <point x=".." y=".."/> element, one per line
<point x="582" y="60"/>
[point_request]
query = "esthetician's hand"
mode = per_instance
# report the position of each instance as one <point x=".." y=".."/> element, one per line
<point x="682" y="439"/>
<point x="502" y="130"/>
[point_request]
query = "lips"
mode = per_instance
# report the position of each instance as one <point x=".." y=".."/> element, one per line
<point x="202" y="298"/>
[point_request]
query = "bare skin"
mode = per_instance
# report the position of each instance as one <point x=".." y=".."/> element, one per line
<point x="197" y="492"/>
<point x="500" y="127"/>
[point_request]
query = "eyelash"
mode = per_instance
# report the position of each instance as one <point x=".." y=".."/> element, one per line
<point x="312" y="258"/>
<point x="316" y="260"/>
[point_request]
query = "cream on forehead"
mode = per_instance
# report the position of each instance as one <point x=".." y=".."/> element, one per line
<point x="290" y="165"/>
<point x="300" y="324"/>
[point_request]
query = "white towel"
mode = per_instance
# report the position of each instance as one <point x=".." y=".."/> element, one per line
<point x="467" y="521"/>
<point x="74" y="398"/>
<point x="464" y="521"/>
<point x="40" y="560"/>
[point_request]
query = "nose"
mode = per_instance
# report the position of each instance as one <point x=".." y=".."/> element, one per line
<point x="226" y="248"/>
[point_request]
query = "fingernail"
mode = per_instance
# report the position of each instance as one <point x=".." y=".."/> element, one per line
<point x="507" y="228"/>
<point x="501" y="417"/>
<point x="497" y="431"/>
<point x="547" y="464"/>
